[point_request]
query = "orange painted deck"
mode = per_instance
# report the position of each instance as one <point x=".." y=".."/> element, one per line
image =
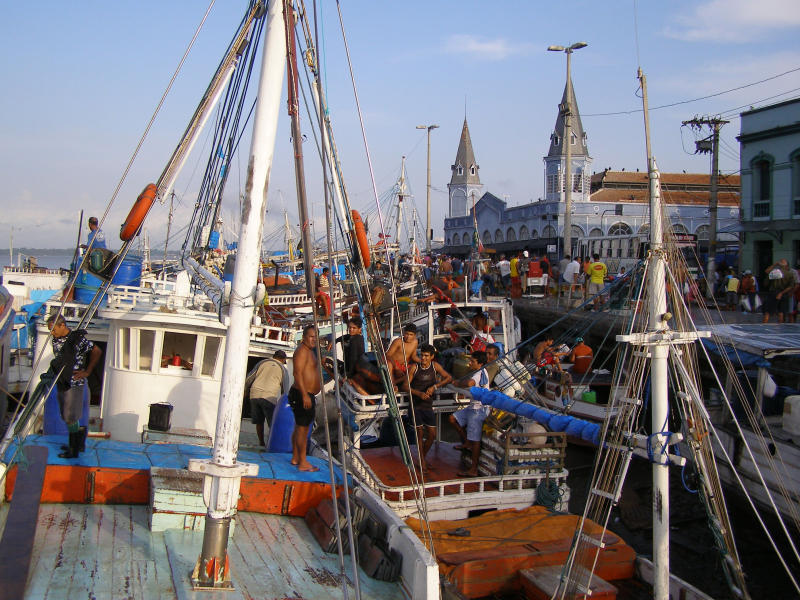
<point x="444" y="463"/>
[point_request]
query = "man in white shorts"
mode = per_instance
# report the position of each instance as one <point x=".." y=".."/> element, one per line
<point x="469" y="421"/>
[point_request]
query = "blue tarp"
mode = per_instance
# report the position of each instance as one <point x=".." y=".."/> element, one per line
<point x="586" y="430"/>
<point x="747" y="359"/>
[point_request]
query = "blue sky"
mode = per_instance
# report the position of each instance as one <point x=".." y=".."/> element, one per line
<point x="82" y="79"/>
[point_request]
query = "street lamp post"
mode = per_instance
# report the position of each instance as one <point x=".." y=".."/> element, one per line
<point x="428" y="203"/>
<point x="566" y="111"/>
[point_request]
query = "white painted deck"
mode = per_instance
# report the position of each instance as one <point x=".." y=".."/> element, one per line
<point x="108" y="552"/>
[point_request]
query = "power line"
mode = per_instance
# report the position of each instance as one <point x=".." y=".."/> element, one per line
<point x="741" y="87"/>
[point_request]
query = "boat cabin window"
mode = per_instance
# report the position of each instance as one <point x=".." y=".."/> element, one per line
<point x="210" y="355"/>
<point x="125" y="348"/>
<point x="178" y="349"/>
<point x="147" y="339"/>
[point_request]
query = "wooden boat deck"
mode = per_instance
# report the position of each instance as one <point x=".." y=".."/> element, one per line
<point x="105" y="551"/>
<point x="444" y="463"/>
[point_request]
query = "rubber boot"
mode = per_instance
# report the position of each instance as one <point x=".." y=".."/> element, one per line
<point x="72" y="451"/>
<point x="82" y="439"/>
<point x="82" y="433"/>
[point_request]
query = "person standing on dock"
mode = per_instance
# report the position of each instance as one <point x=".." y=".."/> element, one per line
<point x="302" y="395"/>
<point x="570" y="274"/>
<point x="598" y="272"/>
<point x="505" y="272"/>
<point x="75" y="358"/>
<point x="780" y="287"/>
<point x="423" y="381"/>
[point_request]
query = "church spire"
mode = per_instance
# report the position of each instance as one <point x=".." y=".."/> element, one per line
<point x="465" y="169"/>
<point x="557" y="148"/>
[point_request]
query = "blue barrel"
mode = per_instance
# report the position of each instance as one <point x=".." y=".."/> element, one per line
<point x="53" y="423"/>
<point x="213" y="240"/>
<point x="230" y="266"/>
<point x="129" y="272"/>
<point x="280" y="433"/>
<point x="85" y="287"/>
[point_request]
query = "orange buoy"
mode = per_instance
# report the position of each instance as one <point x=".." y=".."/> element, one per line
<point x="139" y="211"/>
<point x="361" y="238"/>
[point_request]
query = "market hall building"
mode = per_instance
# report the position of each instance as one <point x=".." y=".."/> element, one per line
<point x="605" y="204"/>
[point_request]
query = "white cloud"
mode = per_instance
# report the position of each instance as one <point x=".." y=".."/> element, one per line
<point x="482" y="48"/>
<point x="734" y="20"/>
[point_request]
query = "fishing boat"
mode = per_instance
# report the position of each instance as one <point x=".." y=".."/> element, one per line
<point x="132" y="514"/>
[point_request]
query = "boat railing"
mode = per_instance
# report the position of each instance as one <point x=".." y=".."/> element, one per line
<point x="528" y="462"/>
<point x="27" y="270"/>
<point x="368" y="406"/>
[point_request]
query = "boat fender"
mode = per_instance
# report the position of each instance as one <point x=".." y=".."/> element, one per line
<point x="360" y="233"/>
<point x="138" y="212"/>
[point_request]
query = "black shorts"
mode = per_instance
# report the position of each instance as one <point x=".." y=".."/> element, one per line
<point x="424" y="415"/>
<point x="261" y="409"/>
<point x="302" y="417"/>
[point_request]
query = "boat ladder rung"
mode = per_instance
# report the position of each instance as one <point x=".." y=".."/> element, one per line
<point x="631" y="401"/>
<point x="604" y="494"/>
<point x="589" y="539"/>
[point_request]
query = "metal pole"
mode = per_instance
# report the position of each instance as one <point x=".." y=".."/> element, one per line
<point x="428" y="233"/>
<point x="568" y="167"/>
<point x="712" y="209"/>
<point x="223" y="472"/>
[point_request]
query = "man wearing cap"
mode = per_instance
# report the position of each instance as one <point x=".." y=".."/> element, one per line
<point x="266" y="383"/>
<point x="96" y="237"/>
<point x="780" y="287"/>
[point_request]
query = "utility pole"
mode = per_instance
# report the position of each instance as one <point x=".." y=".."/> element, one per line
<point x="428" y="230"/>
<point x="704" y="147"/>
<point x="566" y="111"/>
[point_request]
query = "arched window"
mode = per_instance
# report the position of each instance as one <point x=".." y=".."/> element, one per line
<point x="487" y="237"/>
<point x="644" y="229"/>
<point x="679" y="228"/>
<point x="762" y="185"/>
<point x="548" y="232"/>
<point x="511" y="235"/>
<point x="596" y="232"/>
<point x="577" y="232"/>
<point x="447" y="242"/>
<point x="466" y="239"/>
<point x="472" y="170"/>
<point x="702" y="232"/>
<point x="498" y="236"/>
<point x="523" y="232"/>
<point x="534" y="234"/>
<point x="620" y="228"/>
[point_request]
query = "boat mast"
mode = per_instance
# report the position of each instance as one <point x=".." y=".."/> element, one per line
<point x="657" y="293"/>
<point x="223" y="473"/>
<point x="401" y="194"/>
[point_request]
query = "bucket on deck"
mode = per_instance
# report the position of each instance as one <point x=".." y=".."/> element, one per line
<point x="160" y="415"/>
<point x="129" y="272"/>
<point x="589" y="397"/>
<point x="53" y="423"/>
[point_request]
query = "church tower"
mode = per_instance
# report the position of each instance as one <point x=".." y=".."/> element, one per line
<point x="555" y="161"/>
<point x="464" y="182"/>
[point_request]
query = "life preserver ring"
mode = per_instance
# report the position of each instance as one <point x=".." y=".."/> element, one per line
<point x="361" y="238"/>
<point x="138" y="212"/>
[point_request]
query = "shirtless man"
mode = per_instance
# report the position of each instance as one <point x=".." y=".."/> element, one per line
<point x="403" y="352"/>
<point x="301" y="395"/>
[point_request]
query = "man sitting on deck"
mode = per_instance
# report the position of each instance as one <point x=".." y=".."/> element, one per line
<point x="580" y="357"/>
<point x="469" y="421"/>
<point x="424" y="379"/>
<point x="402" y="352"/>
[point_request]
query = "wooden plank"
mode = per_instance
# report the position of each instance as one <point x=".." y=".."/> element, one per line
<point x="104" y="559"/>
<point x="47" y="557"/>
<point x="121" y="572"/>
<point x="16" y="545"/>
<point x="84" y="567"/>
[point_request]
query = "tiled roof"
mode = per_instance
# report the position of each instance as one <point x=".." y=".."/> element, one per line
<point x="636" y="177"/>
<point x="641" y="196"/>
